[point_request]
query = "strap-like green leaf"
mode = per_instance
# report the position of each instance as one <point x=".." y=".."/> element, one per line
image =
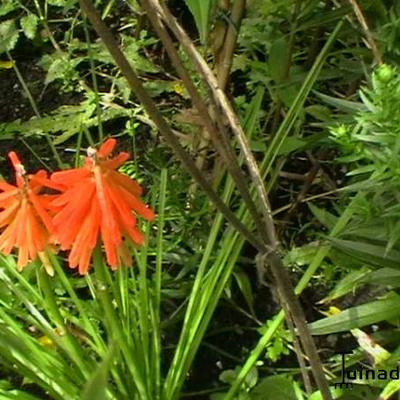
<point x="201" y="10"/>
<point x="357" y="317"/>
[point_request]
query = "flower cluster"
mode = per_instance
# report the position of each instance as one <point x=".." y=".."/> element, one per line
<point x="92" y="204"/>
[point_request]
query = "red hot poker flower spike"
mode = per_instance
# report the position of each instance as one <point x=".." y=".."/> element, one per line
<point x="97" y="202"/>
<point x="24" y="221"/>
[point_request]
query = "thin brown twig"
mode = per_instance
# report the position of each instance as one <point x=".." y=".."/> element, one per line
<point x="225" y="61"/>
<point x="307" y="199"/>
<point x="224" y="40"/>
<point x="269" y="247"/>
<point x="310" y="177"/>
<point x="368" y="35"/>
<point x="220" y="141"/>
<point x="288" y="65"/>
<point x="279" y="272"/>
<point x="299" y="353"/>
<point x="163" y="127"/>
<point x="224" y="47"/>
<point x="218" y="35"/>
<point x="223" y="107"/>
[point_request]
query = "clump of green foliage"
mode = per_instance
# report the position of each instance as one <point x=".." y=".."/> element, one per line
<point x="364" y="237"/>
<point x="165" y="313"/>
<point x="370" y="149"/>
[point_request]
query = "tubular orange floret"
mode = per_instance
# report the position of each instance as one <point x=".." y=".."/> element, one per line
<point x="107" y="148"/>
<point x="24" y="220"/>
<point x="94" y="204"/>
<point x="15" y="161"/>
<point x="93" y="208"/>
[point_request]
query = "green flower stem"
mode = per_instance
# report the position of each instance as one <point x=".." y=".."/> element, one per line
<point x="99" y="345"/>
<point x="155" y="315"/>
<point x="113" y="324"/>
<point x="72" y="347"/>
<point x="190" y="337"/>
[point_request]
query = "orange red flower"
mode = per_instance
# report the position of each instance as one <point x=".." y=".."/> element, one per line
<point x="97" y="202"/>
<point x="24" y="219"/>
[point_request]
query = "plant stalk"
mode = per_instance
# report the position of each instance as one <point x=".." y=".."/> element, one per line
<point x="150" y="107"/>
<point x="217" y="134"/>
<point x="270" y="252"/>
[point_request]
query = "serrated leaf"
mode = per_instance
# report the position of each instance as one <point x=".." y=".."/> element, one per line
<point x="66" y="121"/>
<point x="67" y="4"/>
<point x="57" y="70"/>
<point x="8" y="36"/>
<point x="7" y="7"/>
<point x="357" y="317"/>
<point x="132" y="50"/>
<point x="29" y="25"/>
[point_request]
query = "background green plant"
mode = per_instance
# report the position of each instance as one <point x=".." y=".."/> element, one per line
<point x="115" y="336"/>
